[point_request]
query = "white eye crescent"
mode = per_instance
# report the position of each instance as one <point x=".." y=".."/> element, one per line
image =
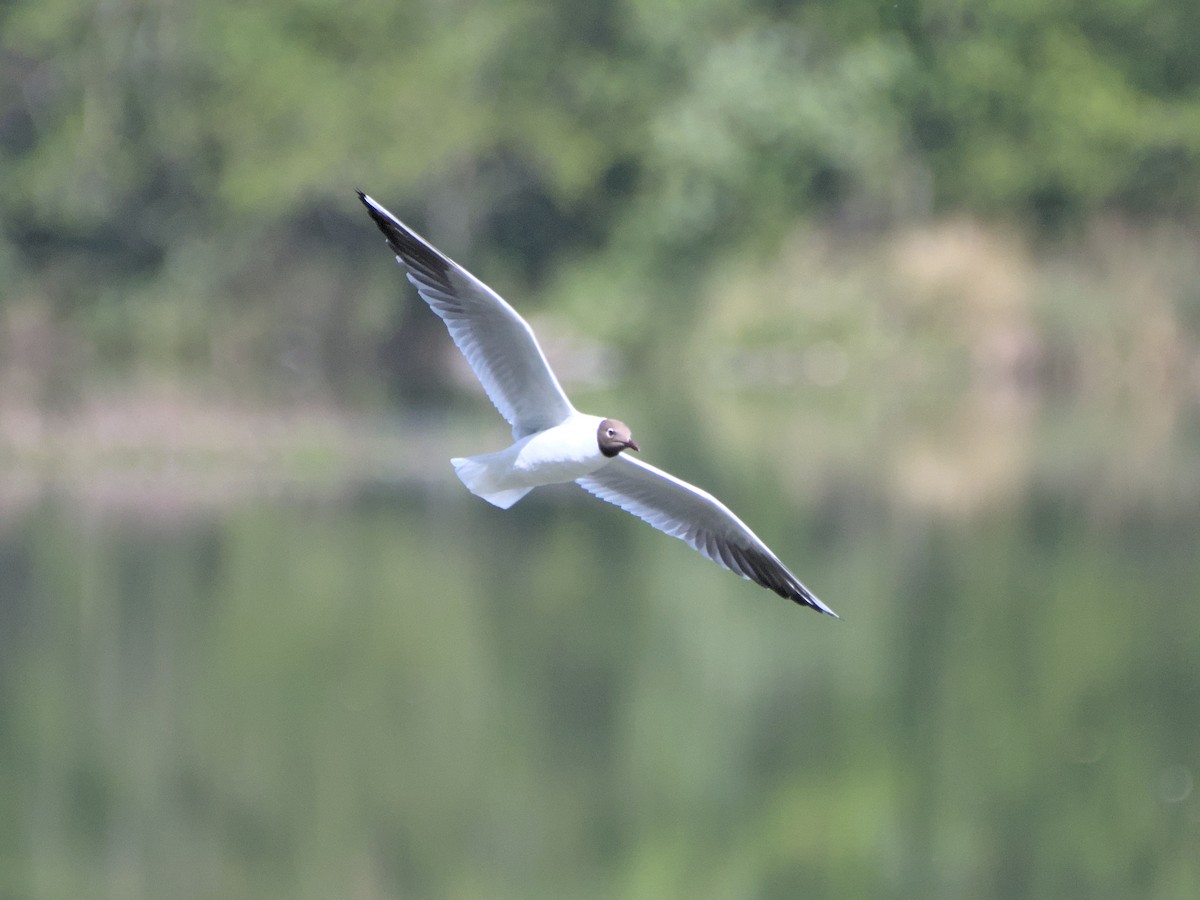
<point x="611" y="432"/>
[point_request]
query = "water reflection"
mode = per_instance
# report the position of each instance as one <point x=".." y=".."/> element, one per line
<point x="396" y="690"/>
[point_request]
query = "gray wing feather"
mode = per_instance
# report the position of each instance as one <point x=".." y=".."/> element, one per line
<point x="701" y="520"/>
<point x="499" y="345"/>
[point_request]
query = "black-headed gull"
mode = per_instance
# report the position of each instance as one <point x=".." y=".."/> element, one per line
<point x="553" y="441"/>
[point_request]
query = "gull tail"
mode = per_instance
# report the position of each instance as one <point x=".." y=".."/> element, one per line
<point x="479" y="477"/>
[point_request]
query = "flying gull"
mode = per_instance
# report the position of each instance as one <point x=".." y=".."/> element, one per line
<point x="553" y="441"/>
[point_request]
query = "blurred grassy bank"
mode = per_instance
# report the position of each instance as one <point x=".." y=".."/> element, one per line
<point x="930" y="356"/>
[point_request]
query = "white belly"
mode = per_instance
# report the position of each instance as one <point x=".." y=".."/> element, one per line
<point x="562" y="453"/>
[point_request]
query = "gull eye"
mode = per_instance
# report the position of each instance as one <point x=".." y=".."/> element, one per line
<point x="611" y="432"/>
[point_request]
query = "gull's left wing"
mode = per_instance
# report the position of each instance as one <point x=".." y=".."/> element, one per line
<point x="685" y="511"/>
<point x="497" y="342"/>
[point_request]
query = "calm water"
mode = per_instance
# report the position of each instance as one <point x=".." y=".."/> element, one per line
<point x="398" y="691"/>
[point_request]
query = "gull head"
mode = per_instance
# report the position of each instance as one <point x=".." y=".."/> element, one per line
<point x="613" y="436"/>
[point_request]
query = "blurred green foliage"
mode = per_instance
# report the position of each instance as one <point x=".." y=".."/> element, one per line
<point x="171" y="172"/>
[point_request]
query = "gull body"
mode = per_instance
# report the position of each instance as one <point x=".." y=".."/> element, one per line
<point x="564" y="452"/>
<point x="554" y="442"/>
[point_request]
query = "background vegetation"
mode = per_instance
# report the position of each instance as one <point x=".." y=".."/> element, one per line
<point x="172" y="174"/>
<point x="915" y="286"/>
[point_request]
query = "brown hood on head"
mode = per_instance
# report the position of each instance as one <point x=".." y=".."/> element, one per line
<point x="613" y="436"/>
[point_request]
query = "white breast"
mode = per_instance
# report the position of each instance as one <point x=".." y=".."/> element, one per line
<point x="562" y="453"/>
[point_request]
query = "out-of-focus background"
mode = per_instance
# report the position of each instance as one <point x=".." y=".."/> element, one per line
<point x="914" y="286"/>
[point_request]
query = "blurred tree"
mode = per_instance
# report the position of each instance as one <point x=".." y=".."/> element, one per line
<point x="1060" y="109"/>
<point x="168" y="171"/>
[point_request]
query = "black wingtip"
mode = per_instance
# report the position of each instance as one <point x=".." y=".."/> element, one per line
<point x="370" y="204"/>
<point x="410" y="248"/>
<point x="804" y="597"/>
<point x="392" y="229"/>
<point x="807" y="599"/>
<point x="768" y="571"/>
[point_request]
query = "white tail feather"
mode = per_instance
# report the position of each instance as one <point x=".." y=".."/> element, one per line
<point x="479" y="478"/>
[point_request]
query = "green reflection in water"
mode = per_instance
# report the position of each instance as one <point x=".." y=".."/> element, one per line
<point x="408" y="693"/>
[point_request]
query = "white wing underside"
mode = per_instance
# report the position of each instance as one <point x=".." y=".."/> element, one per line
<point x="499" y="345"/>
<point x="701" y="520"/>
